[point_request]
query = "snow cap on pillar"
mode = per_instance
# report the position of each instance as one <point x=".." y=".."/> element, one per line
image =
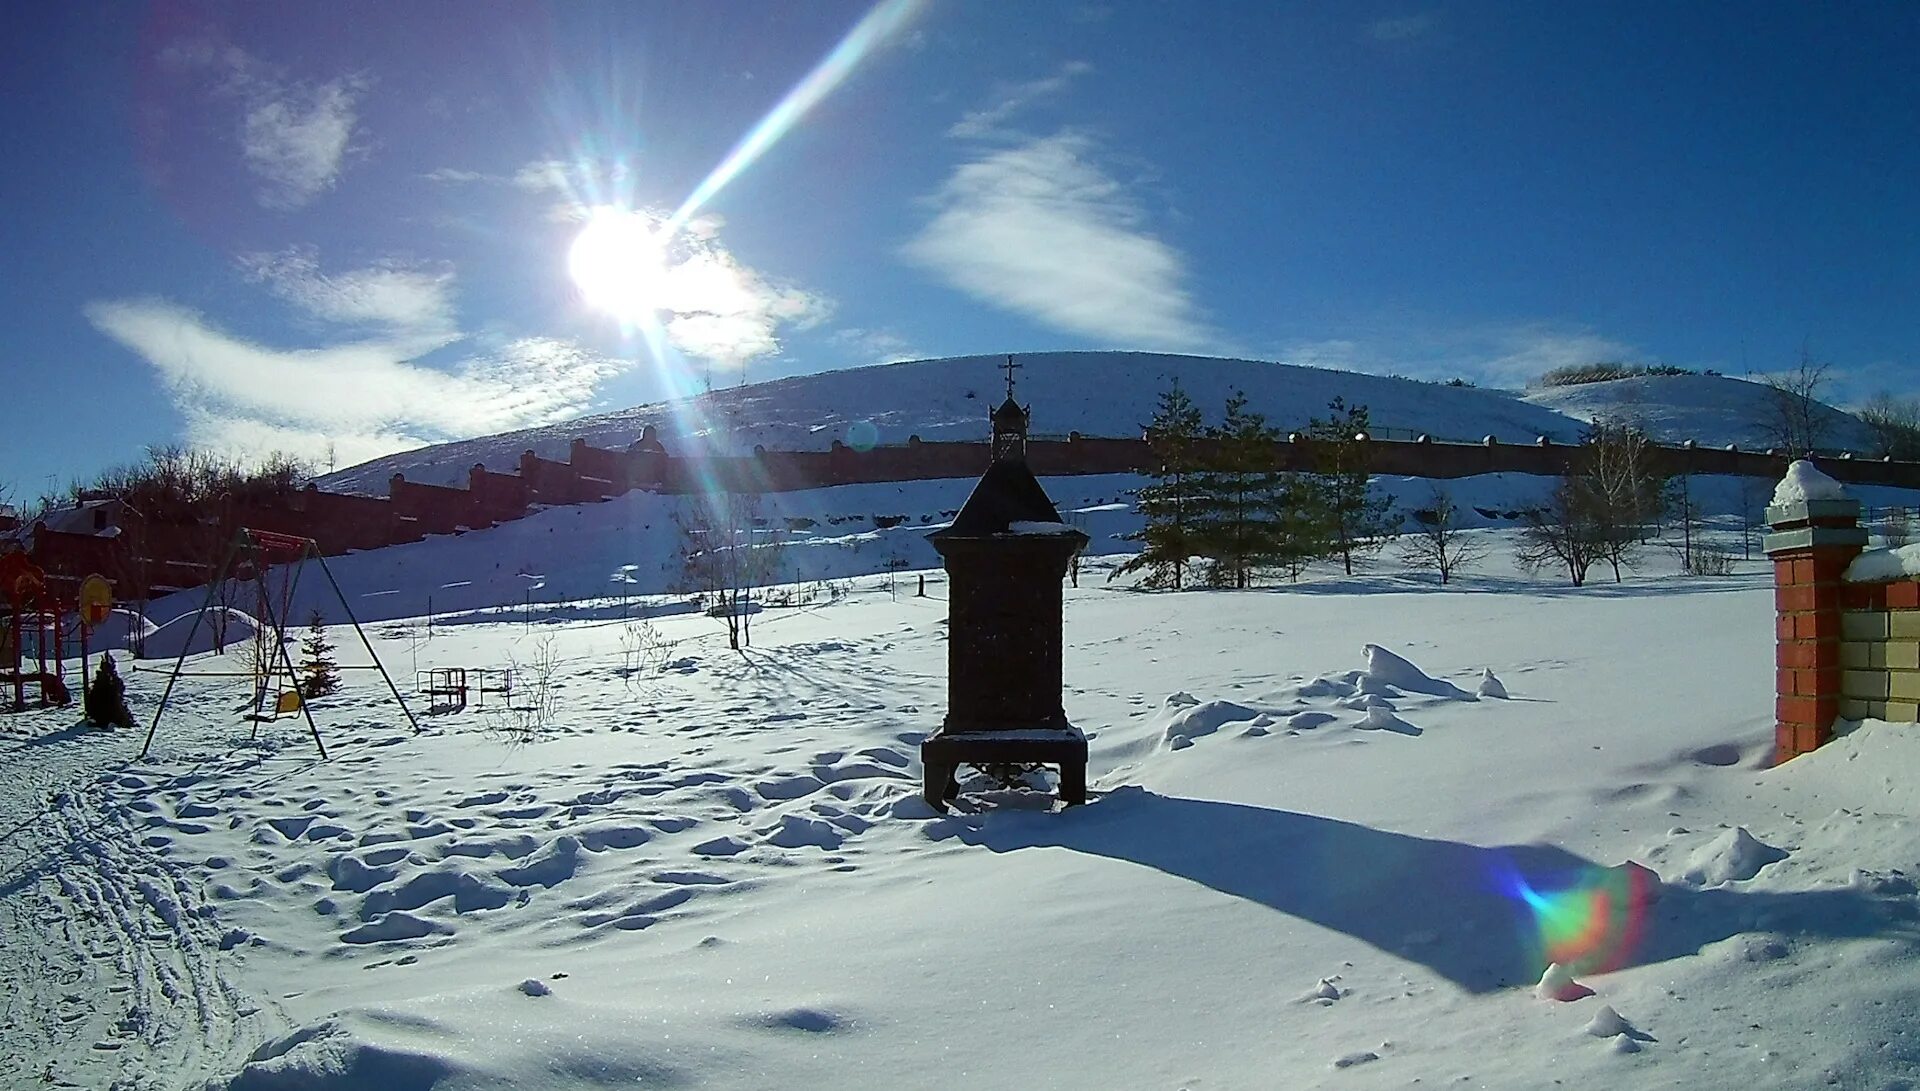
<point x="1810" y="509"/>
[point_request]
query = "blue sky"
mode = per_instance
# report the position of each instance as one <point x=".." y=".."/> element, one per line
<point x="350" y="227"/>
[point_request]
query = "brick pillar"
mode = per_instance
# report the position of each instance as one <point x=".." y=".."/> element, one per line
<point x="1812" y="543"/>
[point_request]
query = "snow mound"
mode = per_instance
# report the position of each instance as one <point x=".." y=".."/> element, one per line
<point x="1804" y="482"/>
<point x="1491" y="686"/>
<point x="180" y="635"/>
<point x="1205" y="718"/>
<point x="1734" y="856"/>
<point x="1557" y="983"/>
<point x="1607" y="1023"/>
<point x="332" y="1057"/>
<point x="1386" y="668"/>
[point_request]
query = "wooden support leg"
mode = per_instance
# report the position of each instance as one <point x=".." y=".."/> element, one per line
<point x="1073" y="782"/>
<point x="938" y="785"/>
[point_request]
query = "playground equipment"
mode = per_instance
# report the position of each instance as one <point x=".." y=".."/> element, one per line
<point x="33" y="610"/>
<point x="457" y="684"/>
<point x="252" y="556"/>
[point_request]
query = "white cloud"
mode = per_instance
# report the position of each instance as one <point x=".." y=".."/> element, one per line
<point x="717" y="309"/>
<point x="294" y="135"/>
<point x="451" y="176"/>
<point x="295" y="139"/>
<point x="1041" y="230"/>
<point x="1013" y="99"/>
<point x="362" y="394"/>
<point x="386" y="295"/>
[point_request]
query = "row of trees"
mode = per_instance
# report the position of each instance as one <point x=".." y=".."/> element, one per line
<point x="1221" y="511"/>
<point x="1220" y="495"/>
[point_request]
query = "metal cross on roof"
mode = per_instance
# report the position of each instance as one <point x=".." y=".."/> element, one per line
<point x="1011" y="367"/>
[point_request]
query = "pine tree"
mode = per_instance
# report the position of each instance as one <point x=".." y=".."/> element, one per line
<point x="1243" y="500"/>
<point x="1357" y="522"/>
<point x="106" y="703"/>
<point x="321" y="674"/>
<point x="1168" y="538"/>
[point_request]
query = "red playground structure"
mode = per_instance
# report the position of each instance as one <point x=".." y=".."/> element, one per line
<point x="33" y="610"/>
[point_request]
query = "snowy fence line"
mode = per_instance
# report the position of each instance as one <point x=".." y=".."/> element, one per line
<point x="168" y="555"/>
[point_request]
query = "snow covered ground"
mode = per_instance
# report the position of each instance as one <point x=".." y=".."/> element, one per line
<point x="1711" y="410"/>
<point x="1308" y="862"/>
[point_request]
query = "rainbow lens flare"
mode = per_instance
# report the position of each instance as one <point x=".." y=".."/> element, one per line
<point x="1592" y="924"/>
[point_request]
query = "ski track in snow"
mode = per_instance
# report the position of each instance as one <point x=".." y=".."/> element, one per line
<point x="127" y="978"/>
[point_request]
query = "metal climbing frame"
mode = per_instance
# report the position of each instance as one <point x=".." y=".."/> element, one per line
<point x="255" y="552"/>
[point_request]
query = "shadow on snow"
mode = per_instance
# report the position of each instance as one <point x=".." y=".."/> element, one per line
<point x="1483" y="918"/>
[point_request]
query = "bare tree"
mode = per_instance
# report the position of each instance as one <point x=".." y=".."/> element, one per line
<point x="1792" y="417"/>
<point x="726" y="551"/>
<point x="1558" y="534"/>
<point x="1615" y="481"/>
<point x="1895" y="424"/>
<point x="1437" y="543"/>
<point x="1895" y="527"/>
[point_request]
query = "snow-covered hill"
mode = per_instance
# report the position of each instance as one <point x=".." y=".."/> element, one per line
<point x="1095" y="393"/>
<point x="1712" y="410"/>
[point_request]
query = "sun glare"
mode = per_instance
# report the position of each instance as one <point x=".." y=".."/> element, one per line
<point x="619" y="263"/>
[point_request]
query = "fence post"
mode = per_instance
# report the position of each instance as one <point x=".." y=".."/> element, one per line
<point x="1813" y="540"/>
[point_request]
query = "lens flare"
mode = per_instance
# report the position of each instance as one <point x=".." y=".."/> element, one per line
<point x="1592" y="924"/>
<point x="880" y="23"/>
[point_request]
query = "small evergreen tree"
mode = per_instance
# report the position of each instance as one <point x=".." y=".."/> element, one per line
<point x="321" y="675"/>
<point x="1247" y="507"/>
<point x="1357" y="523"/>
<point x="1168" y="538"/>
<point x="106" y="704"/>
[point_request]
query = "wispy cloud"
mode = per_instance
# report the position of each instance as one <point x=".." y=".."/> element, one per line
<point x="450" y="176"/>
<point x="1401" y="28"/>
<point x="1014" y="98"/>
<point x="388" y="295"/>
<point x="296" y="139"/>
<point x="361" y="395"/>
<point x="1042" y="230"/>
<point x="716" y="308"/>
<point x="294" y="135"/>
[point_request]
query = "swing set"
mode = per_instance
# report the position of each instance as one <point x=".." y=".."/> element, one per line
<point x="252" y="556"/>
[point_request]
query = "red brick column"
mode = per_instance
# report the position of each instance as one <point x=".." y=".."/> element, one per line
<point x="1812" y="543"/>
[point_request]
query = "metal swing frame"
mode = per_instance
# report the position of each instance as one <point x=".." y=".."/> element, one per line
<point x="259" y="548"/>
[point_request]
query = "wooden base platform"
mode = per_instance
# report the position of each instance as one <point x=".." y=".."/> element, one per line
<point x="944" y="752"/>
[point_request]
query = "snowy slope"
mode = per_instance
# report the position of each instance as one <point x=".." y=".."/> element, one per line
<point x="1712" y="410"/>
<point x="1308" y="862"/>
<point x="591" y="559"/>
<point x="1094" y="393"/>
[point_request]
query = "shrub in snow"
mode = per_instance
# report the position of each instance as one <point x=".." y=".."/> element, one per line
<point x="106" y="704"/>
<point x="535" y="987"/>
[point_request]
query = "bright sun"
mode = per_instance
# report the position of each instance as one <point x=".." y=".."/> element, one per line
<point x="618" y="263"/>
